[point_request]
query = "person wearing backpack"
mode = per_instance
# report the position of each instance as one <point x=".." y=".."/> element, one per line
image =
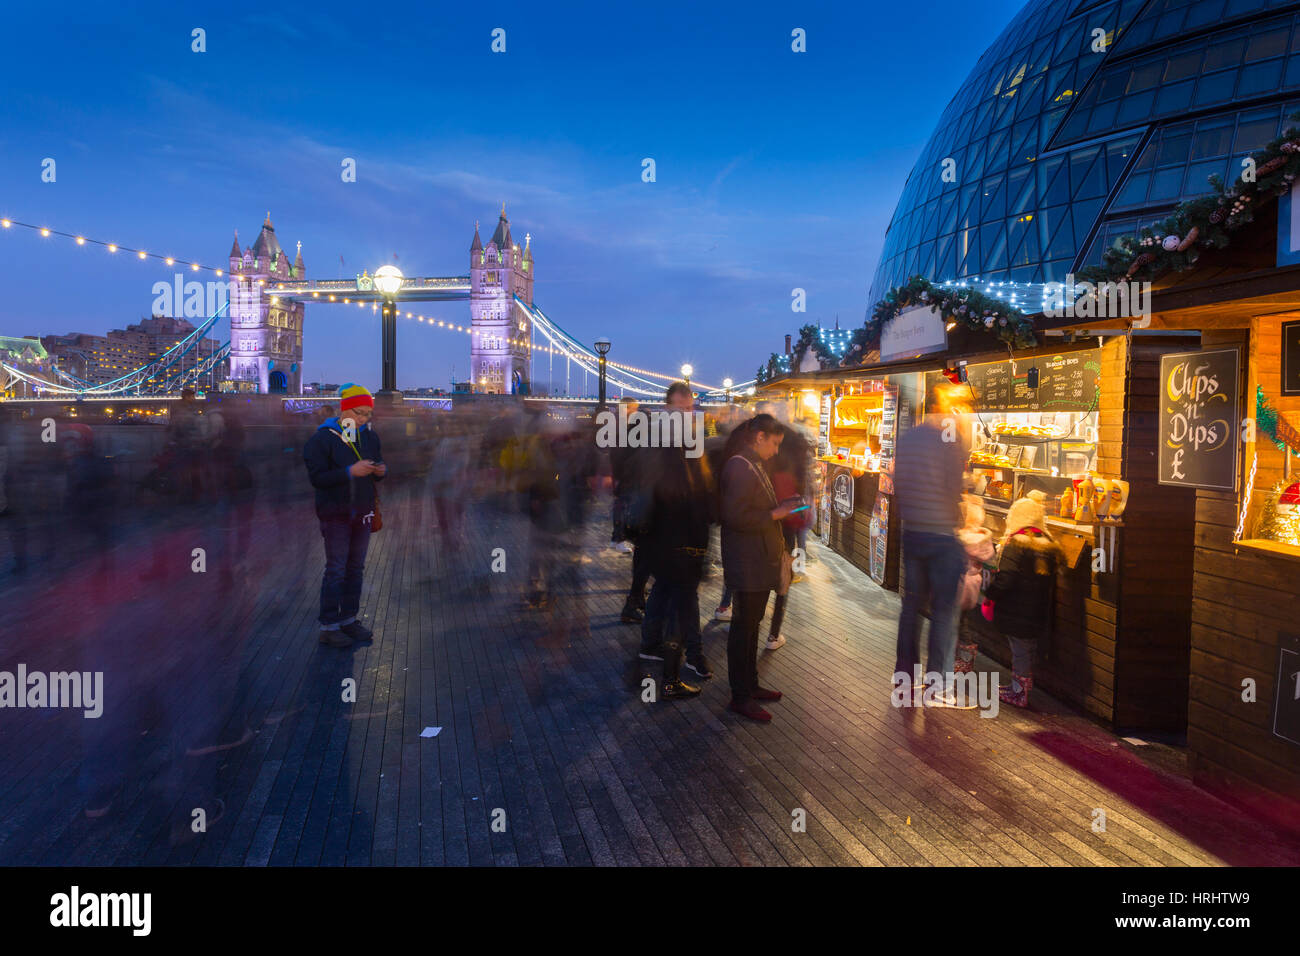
<point x="1022" y="592"/>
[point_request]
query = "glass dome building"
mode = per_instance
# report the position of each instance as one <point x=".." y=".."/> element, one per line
<point x="1085" y="120"/>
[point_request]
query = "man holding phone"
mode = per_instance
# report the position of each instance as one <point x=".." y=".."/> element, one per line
<point x="344" y="461"/>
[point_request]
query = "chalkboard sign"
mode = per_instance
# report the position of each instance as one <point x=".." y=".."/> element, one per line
<point x="1200" y="419"/>
<point x="842" y="494"/>
<point x="1286" y="693"/>
<point x="1291" y="358"/>
<point x="1066" y="383"/>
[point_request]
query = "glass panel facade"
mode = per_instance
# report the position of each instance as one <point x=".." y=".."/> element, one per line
<point x="1050" y="150"/>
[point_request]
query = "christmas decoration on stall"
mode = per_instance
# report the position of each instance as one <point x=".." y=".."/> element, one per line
<point x="1175" y="244"/>
<point x="1274" y="424"/>
<point x="810" y="338"/>
<point x="1279" y="518"/>
<point x="965" y="307"/>
<point x="774" y="366"/>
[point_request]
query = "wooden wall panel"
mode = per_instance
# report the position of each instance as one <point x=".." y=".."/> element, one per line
<point x="1241" y="603"/>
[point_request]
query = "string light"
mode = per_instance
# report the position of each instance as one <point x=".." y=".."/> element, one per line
<point x="46" y="232"/>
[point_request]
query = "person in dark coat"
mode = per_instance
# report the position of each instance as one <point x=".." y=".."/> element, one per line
<point x="752" y="549"/>
<point x="676" y="545"/>
<point x="1022" y="591"/>
<point x="344" y="462"/>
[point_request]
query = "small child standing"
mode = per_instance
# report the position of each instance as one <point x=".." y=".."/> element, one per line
<point x="1023" y="590"/>
<point x="978" y="542"/>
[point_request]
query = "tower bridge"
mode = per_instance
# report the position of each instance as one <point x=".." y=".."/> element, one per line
<point x="267" y="298"/>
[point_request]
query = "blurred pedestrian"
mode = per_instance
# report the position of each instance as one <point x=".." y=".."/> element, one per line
<point x="676" y="543"/>
<point x="928" y="468"/>
<point x="631" y="504"/>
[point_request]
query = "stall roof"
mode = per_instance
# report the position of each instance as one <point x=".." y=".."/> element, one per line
<point x="925" y="363"/>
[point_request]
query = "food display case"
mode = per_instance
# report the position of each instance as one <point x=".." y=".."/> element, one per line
<point x="1013" y="453"/>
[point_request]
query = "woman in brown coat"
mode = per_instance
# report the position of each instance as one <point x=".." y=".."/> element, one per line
<point x="752" y="548"/>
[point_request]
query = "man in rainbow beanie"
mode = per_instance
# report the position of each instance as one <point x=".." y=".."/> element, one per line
<point x="343" y="462"/>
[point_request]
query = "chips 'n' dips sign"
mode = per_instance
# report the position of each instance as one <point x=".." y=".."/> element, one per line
<point x="1200" y="419"/>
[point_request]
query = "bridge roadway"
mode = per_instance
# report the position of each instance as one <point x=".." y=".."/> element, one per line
<point x="219" y="696"/>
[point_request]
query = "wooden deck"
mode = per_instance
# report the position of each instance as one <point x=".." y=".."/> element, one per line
<point x="541" y="730"/>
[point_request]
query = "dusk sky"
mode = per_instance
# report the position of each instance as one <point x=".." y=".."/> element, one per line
<point x="775" y="169"/>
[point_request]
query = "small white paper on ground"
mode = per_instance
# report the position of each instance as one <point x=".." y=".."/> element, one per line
<point x="430" y="731"/>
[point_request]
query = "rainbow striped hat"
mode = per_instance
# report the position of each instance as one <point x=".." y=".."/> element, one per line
<point x="353" y="396"/>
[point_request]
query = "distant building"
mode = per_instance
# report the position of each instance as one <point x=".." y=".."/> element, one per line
<point x="102" y="358"/>
<point x="498" y="272"/>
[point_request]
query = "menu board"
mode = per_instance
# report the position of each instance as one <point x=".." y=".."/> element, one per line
<point x="888" y="426"/>
<point x="1200" y="418"/>
<point x="1066" y="383"/>
<point x="824" y="426"/>
<point x="842" y="493"/>
<point x="879" y="535"/>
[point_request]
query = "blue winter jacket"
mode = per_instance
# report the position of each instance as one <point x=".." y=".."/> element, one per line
<point x="328" y="458"/>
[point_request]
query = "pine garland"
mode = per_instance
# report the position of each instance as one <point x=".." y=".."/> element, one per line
<point x="967" y="307"/>
<point x="1175" y="244"/>
<point x="1273" y="424"/>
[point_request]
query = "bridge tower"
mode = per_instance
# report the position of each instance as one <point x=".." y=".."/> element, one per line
<point x="498" y="272"/>
<point x="265" y="336"/>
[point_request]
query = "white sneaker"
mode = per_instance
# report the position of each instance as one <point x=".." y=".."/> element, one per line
<point x="948" y="699"/>
<point x="775" y="641"/>
<point x="624" y="546"/>
<point x="722" y="614"/>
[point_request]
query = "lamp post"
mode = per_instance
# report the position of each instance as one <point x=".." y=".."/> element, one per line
<point x="687" y="371"/>
<point x="602" y="349"/>
<point x="388" y="280"/>
<point x="726" y="383"/>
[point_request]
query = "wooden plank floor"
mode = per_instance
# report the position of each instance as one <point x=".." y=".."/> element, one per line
<point x="220" y="697"/>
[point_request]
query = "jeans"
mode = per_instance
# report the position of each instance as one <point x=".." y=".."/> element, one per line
<point x="346" y="543"/>
<point x="778" y="606"/>
<point x="726" y="597"/>
<point x="672" y="611"/>
<point x="1022" y="656"/>
<point x="742" y="643"/>
<point x="933" y="565"/>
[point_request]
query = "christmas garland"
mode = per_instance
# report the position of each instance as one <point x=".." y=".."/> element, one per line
<point x="810" y="338"/>
<point x="1274" y="424"/>
<point x="967" y="307"/>
<point x="1175" y="244"/>
<point x="771" y="368"/>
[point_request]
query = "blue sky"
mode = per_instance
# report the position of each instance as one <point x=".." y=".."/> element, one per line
<point x="775" y="170"/>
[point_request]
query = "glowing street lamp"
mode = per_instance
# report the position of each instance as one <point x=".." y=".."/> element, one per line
<point x="687" y="371"/>
<point x="726" y="383"/>
<point x="388" y="280"/>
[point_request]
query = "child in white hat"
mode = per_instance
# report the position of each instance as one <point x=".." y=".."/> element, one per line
<point x="1022" y="592"/>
